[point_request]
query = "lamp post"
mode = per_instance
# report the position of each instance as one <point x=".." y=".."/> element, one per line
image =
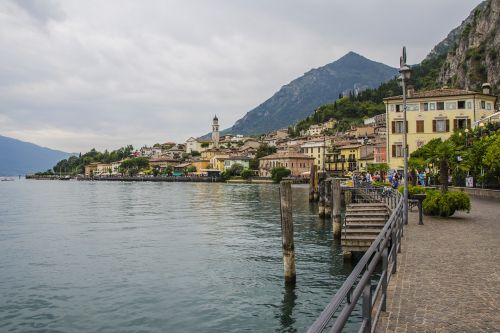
<point x="405" y="73"/>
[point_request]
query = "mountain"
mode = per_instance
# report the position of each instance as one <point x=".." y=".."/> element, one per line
<point x="20" y="158"/>
<point x="453" y="36"/>
<point x="474" y="57"/>
<point x="318" y="86"/>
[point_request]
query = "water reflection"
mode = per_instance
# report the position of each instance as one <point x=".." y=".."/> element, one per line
<point x="287" y="319"/>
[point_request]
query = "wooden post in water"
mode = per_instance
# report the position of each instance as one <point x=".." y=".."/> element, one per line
<point x="312" y="175"/>
<point x="287" y="231"/>
<point x="328" y="197"/>
<point x="321" y="206"/>
<point x="316" y="183"/>
<point x="336" y="218"/>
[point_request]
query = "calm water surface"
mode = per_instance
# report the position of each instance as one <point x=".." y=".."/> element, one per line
<point x="158" y="257"/>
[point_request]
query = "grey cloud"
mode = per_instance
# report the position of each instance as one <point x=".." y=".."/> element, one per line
<point x="120" y="72"/>
<point x="41" y="10"/>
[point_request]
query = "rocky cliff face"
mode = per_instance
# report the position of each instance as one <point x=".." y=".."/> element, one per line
<point x="473" y="58"/>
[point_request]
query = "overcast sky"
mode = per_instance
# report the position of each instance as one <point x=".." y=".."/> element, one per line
<point x="81" y="74"/>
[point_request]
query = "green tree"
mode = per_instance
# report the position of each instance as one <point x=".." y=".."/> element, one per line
<point x="236" y="169"/>
<point x="278" y="173"/>
<point x="491" y="157"/>
<point x="133" y="166"/>
<point x="246" y="174"/>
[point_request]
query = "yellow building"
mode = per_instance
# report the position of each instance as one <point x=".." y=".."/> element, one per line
<point x="201" y="164"/>
<point x="315" y="149"/>
<point x="433" y="114"/>
<point x="217" y="162"/>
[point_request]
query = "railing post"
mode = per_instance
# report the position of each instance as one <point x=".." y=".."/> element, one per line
<point x="367" y="307"/>
<point x="336" y="218"/>
<point x="312" y="182"/>
<point x="287" y="231"/>
<point x="385" y="272"/>
<point x="394" y="242"/>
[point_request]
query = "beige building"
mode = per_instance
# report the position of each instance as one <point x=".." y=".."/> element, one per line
<point x="194" y="144"/>
<point x="91" y="169"/>
<point x="103" y="169"/>
<point x="433" y="114"/>
<point x="315" y="130"/>
<point x="297" y="163"/>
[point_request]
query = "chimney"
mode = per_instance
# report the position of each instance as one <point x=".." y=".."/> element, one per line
<point x="410" y="91"/>
<point x="486" y="88"/>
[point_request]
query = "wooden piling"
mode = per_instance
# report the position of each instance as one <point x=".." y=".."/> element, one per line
<point x="312" y="175"/>
<point x="321" y="206"/>
<point x="328" y="198"/>
<point x="287" y="231"/>
<point x="316" y="183"/>
<point x="336" y="217"/>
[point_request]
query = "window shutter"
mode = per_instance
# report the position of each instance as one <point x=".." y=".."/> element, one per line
<point x="447" y="125"/>
<point x="455" y="124"/>
<point x="393" y="127"/>
<point x="434" y="125"/>
<point x="393" y="150"/>
<point x="468" y="123"/>
<point x="420" y="126"/>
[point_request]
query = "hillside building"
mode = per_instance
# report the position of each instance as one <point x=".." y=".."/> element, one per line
<point x="433" y="114"/>
<point x="299" y="164"/>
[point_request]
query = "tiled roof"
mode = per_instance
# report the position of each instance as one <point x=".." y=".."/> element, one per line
<point x="239" y="158"/>
<point x="441" y="92"/>
<point x="287" y="154"/>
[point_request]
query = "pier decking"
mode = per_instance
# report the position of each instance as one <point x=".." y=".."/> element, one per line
<point x="448" y="277"/>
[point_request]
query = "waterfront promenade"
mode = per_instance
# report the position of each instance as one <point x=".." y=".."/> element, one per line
<point x="448" y="277"/>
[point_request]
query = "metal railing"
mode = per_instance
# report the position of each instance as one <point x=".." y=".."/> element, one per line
<point x="358" y="285"/>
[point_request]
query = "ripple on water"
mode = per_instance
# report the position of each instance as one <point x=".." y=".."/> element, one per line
<point x="159" y="257"/>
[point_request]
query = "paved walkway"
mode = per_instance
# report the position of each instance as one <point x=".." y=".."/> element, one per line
<point x="448" y="276"/>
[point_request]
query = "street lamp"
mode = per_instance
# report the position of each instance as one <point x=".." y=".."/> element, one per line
<point x="481" y="126"/>
<point x="405" y="73"/>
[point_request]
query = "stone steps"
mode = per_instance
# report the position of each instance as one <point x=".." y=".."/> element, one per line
<point x="364" y="221"/>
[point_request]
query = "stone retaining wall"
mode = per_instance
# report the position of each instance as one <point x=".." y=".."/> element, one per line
<point x="477" y="192"/>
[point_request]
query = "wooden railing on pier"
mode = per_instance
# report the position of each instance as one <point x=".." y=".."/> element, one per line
<point x="358" y="286"/>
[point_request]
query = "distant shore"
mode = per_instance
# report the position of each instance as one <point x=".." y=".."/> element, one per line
<point x="257" y="180"/>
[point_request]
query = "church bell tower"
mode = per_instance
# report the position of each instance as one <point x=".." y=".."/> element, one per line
<point x="215" y="132"/>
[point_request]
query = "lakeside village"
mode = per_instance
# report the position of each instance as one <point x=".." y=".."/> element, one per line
<point x="375" y="146"/>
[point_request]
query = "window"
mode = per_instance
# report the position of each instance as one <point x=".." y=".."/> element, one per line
<point x="399" y="108"/>
<point x="483" y="105"/>
<point x="397" y="126"/>
<point x="425" y="106"/>
<point x="412" y="107"/>
<point x="432" y="106"/>
<point x="397" y="150"/>
<point x="441" y="125"/>
<point x="451" y="106"/>
<point x="461" y="104"/>
<point x="440" y="105"/>
<point x="420" y="126"/>
<point x="462" y="123"/>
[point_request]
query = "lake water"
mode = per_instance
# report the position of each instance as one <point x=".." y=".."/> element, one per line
<point x="159" y="257"/>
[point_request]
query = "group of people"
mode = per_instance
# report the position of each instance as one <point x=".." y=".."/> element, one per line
<point x="394" y="177"/>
